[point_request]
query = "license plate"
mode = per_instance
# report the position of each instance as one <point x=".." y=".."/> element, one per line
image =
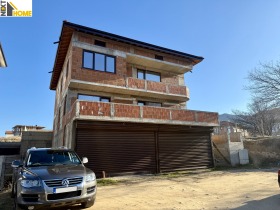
<point x="65" y="189"/>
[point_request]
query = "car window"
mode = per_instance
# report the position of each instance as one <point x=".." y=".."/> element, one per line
<point x="51" y="157"/>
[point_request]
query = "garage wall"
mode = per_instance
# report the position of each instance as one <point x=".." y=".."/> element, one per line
<point x="142" y="148"/>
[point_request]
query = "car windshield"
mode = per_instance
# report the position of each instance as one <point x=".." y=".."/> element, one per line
<point x="51" y="157"/>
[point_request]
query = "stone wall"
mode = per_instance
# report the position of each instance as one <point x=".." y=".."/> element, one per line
<point x="263" y="150"/>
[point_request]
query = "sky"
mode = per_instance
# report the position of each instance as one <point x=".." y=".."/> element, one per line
<point x="233" y="36"/>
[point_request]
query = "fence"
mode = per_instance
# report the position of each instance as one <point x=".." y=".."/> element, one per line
<point x="6" y="171"/>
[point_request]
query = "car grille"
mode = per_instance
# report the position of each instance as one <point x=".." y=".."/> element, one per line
<point x="64" y="195"/>
<point x="30" y="197"/>
<point x="58" y="182"/>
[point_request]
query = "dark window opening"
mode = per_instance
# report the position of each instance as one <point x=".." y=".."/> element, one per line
<point x="64" y="108"/>
<point x="148" y="103"/>
<point x="159" y="57"/>
<point x="99" y="62"/>
<point x="100" y="43"/>
<point x="148" y="75"/>
<point x="93" y="98"/>
<point x="141" y="103"/>
<point x="67" y="69"/>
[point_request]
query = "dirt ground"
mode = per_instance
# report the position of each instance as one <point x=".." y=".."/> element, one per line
<point x="241" y="189"/>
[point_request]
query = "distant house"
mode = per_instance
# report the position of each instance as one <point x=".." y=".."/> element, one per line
<point x="18" y="129"/>
<point x="3" y="62"/>
<point x="9" y="134"/>
<point x="227" y="127"/>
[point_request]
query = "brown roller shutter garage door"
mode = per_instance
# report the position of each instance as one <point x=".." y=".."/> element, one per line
<point x="138" y="147"/>
<point x="182" y="150"/>
<point x="117" y="151"/>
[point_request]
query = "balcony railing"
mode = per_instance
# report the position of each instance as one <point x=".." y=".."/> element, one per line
<point x="136" y="87"/>
<point x="145" y="114"/>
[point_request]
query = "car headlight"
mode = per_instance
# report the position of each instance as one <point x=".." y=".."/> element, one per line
<point x="30" y="183"/>
<point x="90" y="177"/>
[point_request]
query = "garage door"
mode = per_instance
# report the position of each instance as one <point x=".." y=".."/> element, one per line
<point x="117" y="151"/>
<point x="182" y="150"/>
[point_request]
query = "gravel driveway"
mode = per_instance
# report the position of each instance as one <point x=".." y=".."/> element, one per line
<point x="229" y="189"/>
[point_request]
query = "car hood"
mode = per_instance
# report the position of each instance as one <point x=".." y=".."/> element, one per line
<point x="58" y="171"/>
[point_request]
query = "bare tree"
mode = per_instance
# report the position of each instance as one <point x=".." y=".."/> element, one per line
<point x="264" y="82"/>
<point x="258" y="120"/>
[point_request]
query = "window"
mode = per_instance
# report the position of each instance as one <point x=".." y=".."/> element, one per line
<point x="88" y="60"/>
<point x="148" y="75"/>
<point x="51" y="157"/>
<point x="93" y="98"/>
<point x="147" y="103"/>
<point x="159" y="57"/>
<point x="99" y="62"/>
<point x="100" y="43"/>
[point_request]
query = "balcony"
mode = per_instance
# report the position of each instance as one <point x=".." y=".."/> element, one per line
<point x="140" y="114"/>
<point x="135" y="87"/>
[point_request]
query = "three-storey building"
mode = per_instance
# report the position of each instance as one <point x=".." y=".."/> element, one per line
<point x="122" y="103"/>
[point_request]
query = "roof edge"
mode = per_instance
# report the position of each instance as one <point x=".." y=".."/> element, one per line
<point x="128" y="40"/>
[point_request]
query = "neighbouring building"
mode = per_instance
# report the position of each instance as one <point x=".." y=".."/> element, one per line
<point x="18" y="129"/>
<point x="12" y="142"/>
<point x="226" y="127"/>
<point x="3" y="62"/>
<point x="9" y="133"/>
<point x="122" y="103"/>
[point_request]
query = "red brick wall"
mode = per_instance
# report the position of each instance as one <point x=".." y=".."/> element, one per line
<point x="156" y="113"/>
<point x="122" y="110"/>
<point x="136" y="83"/>
<point x="169" y="79"/>
<point x="109" y="43"/>
<point x="179" y="90"/>
<point x="133" y="111"/>
<point x="129" y="70"/>
<point x="166" y="57"/>
<point x="207" y="117"/>
<point x="92" y="109"/>
<point x="183" y="115"/>
<point x="156" y="86"/>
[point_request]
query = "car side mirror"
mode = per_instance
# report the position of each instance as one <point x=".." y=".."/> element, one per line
<point x="16" y="163"/>
<point x="85" y="160"/>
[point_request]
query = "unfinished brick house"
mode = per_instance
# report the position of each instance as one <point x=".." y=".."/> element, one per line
<point x="121" y="103"/>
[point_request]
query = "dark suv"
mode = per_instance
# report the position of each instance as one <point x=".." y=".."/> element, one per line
<point x="52" y="177"/>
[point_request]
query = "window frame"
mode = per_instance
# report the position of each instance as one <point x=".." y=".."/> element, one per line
<point x="145" y="72"/>
<point x="93" y="61"/>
